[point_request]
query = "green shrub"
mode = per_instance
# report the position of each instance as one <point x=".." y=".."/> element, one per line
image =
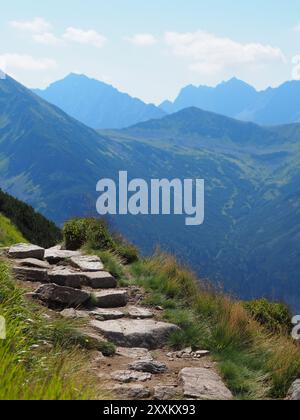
<point x="81" y="231"/>
<point x="94" y="235"/>
<point x="75" y="233"/>
<point x="98" y="236"/>
<point x="128" y="253"/>
<point x="276" y="317"/>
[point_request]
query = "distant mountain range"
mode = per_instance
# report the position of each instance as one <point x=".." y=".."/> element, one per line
<point x="250" y="239"/>
<point x="101" y="106"/>
<point x="239" y="100"/>
<point x="97" y="104"/>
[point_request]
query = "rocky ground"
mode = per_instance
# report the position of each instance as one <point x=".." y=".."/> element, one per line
<point x="76" y="286"/>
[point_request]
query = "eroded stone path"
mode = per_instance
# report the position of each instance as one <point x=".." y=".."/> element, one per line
<point x="77" y="286"/>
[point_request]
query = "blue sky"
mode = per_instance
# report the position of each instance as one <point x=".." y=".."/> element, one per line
<point x="151" y="49"/>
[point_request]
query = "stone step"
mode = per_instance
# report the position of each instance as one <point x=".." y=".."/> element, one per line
<point x="110" y="298"/>
<point x="106" y="314"/>
<point x="136" y="333"/>
<point x="60" y="296"/>
<point x="65" y="277"/>
<point x="70" y="277"/>
<point x="97" y="313"/>
<point x="32" y="263"/>
<point x="137" y="312"/>
<point x="99" y="280"/>
<point x="203" y="384"/>
<point x="87" y="263"/>
<point x="56" y="255"/>
<point x="39" y="275"/>
<point x="21" y="251"/>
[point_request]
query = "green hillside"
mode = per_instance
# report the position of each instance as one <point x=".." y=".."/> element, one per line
<point x="21" y="223"/>
<point x="9" y="234"/>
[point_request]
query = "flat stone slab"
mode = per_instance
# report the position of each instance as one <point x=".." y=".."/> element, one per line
<point x="66" y="277"/>
<point x="131" y="392"/>
<point x="150" y="366"/>
<point x="71" y="313"/>
<point x="127" y="376"/>
<point x="203" y="384"/>
<point x="54" y="295"/>
<point x="22" y="251"/>
<point x="87" y="263"/>
<point x="134" y="353"/>
<point x="106" y="314"/>
<point x="32" y="263"/>
<point x="99" y="280"/>
<point x="56" y="255"/>
<point x="136" y="333"/>
<point x="137" y="312"/>
<point x="31" y="274"/>
<point x="111" y="299"/>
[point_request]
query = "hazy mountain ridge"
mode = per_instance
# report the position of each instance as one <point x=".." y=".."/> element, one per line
<point x="238" y="99"/>
<point x="97" y="104"/>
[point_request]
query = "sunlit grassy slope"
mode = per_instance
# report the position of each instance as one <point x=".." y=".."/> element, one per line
<point x="9" y="234"/>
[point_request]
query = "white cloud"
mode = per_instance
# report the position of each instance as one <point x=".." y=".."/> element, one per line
<point x="47" y="38"/>
<point x="142" y="39"/>
<point x="37" y="25"/>
<point x="212" y="54"/>
<point x="297" y="27"/>
<point x="11" y="62"/>
<point x="89" y="37"/>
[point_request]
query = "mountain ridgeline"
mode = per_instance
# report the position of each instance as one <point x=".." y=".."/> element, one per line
<point x="237" y="99"/>
<point x="97" y="104"/>
<point x="249" y="241"/>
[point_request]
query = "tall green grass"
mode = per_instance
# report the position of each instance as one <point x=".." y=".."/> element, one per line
<point x="38" y="359"/>
<point x="255" y="363"/>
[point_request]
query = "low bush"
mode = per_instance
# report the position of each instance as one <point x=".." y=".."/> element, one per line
<point x="93" y="232"/>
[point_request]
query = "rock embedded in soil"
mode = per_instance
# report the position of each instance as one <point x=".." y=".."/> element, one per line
<point x="137" y="312"/>
<point x="106" y="314"/>
<point x="61" y="296"/>
<point x="134" y="353"/>
<point x="131" y="392"/>
<point x="39" y="275"/>
<point x="150" y="366"/>
<point x="127" y="376"/>
<point x="136" y="333"/>
<point x="22" y="251"/>
<point x="110" y="299"/>
<point x="71" y="313"/>
<point x="203" y="384"/>
<point x="165" y="393"/>
<point x="294" y="391"/>
<point x="99" y="280"/>
<point x="87" y="263"/>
